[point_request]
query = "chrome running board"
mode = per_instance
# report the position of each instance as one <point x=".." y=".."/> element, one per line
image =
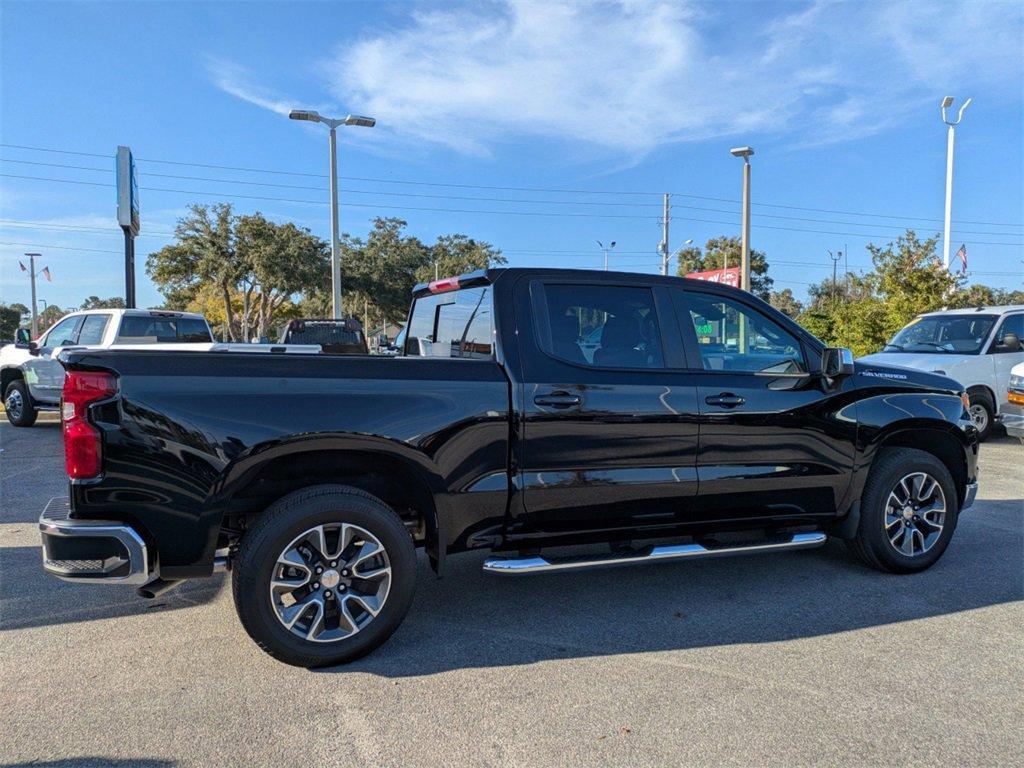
<point x="658" y="554"/>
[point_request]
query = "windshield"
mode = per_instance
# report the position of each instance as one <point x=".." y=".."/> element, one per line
<point x="323" y="333"/>
<point x="943" y="334"/>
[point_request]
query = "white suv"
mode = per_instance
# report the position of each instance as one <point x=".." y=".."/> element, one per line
<point x="976" y="347"/>
<point x="31" y="377"/>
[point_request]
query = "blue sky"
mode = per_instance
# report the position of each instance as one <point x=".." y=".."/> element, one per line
<point x="610" y="103"/>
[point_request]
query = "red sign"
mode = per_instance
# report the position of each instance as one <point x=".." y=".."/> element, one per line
<point x="729" y="276"/>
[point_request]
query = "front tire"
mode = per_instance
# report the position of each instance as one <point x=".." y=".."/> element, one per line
<point x="908" y="512"/>
<point x="324" y="576"/>
<point x="18" y="405"/>
<point x="983" y="413"/>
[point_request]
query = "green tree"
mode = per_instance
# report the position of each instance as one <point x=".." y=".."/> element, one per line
<point x="10" y="319"/>
<point x="863" y="312"/>
<point x="719" y="251"/>
<point x="95" y="302"/>
<point x="204" y="252"/>
<point x="280" y="261"/>
<point x="786" y="302"/>
<point x="455" y="255"/>
<point x="986" y="296"/>
<point x="19" y="307"/>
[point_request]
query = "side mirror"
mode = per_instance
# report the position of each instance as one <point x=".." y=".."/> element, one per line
<point x="21" y="336"/>
<point x="1010" y="343"/>
<point x="382" y="340"/>
<point x="836" y="362"/>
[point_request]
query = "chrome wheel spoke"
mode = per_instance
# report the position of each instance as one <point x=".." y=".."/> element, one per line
<point x="914" y="514"/>
<point x="330" y="582"/>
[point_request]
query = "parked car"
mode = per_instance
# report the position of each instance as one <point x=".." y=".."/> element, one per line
<point x="314" y="479"/>
<point x="1013" y="411"/>
<point x="336" y="337"/>
<point x="976" y="347"/>
<point x="31" y="378"/>
<point x="392" y="348"/>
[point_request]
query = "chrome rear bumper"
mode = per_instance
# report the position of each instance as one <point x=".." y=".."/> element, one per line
<point x="92" y="551"/>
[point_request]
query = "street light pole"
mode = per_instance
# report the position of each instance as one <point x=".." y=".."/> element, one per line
<point x="32" y="280"/>
<point x="950" y="139"/>
<point x="745" y="153"/>
<point x="606" y="249"/>
<point x="332" y="124"/>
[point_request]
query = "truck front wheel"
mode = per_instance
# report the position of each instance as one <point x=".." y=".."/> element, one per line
<point x="908" y="512"/>
<point x="18" y="405"/>
<point x="324" y="576"/>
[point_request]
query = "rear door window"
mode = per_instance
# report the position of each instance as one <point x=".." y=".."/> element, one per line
<point x="93" y="328"/>
<point x="457" y="324"/>
<point x="603" y="326"/>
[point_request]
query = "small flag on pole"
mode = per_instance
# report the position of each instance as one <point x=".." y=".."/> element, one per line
<point x="962" y="254"/>
<point x="23" y="267"/>
<point x="47" y="275"/>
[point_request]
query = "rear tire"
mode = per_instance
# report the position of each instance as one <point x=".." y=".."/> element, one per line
<point x="18" y="405"/>
<point x="353" y="603"/>
<point x="983" y="413"/>
<point x="901" y="528"/>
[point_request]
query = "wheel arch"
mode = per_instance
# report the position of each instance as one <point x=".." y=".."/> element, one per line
<point x="399" y="479"/>
<point x="9" y="374"/>
<point x="938" y="440"/>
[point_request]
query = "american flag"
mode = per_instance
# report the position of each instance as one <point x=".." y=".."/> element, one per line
<point x="962" y="255"/>
<point x="47" y="275"/>
<point x="23" y="267"/>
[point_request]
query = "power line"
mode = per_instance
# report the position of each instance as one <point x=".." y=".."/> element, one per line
<point x="488" y="199"/>
<point x="521" y="189"/>
<point x="863" y="235"/>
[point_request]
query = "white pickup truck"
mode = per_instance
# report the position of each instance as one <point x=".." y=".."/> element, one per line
<point x="976" y="347"/>
<point x="31" y="377"/>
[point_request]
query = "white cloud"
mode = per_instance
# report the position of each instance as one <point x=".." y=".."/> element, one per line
<point x="625" y="77"/>
<point x="237" y="81"/>
<point x="628" y="77"/>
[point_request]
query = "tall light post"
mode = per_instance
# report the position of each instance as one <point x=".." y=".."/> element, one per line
<point x="950" y="138"/>
<point x="609" y="247"/>
<point x="665" y="264"/>
<point x="332" y="124"/>
<point x="745" y="153"/>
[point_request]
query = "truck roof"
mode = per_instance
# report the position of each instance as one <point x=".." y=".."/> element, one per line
<point x="133" y="312"/>
<point x="1000" y="310"/>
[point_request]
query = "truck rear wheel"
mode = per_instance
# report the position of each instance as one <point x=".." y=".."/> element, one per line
<point x="18" y="405"/>
<point x="324" y="576"/>
<point x="908" y="512"/>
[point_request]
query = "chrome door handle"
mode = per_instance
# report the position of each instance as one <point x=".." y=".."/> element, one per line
<point x="557" y="400"/>
<point x="725" y="400"/>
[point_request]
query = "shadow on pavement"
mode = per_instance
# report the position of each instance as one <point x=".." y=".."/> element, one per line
<point x="31" y="598"/>
<point x="469" y="619"/>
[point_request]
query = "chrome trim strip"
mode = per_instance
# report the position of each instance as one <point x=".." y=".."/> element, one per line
<point x="537" y="564"/>
<point x="55" y="522"/>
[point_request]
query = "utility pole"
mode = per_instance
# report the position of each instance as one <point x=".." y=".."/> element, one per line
<point x="32" y="279"/>
<point x="606" y="249"/>
<point x="950" y="138"/>
<point x="663" y="247"/>
<point x="745" y="153"/>
<point x="835" y="263"/>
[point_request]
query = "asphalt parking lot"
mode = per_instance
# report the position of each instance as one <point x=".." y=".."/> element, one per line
<point x="796" y="659"/>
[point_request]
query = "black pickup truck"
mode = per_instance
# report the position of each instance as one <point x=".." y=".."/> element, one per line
<point x="633" y="417"/>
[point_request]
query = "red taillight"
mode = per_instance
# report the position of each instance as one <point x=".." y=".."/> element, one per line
<point x="83" y="457"/>
<point x="447" y="284"/>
